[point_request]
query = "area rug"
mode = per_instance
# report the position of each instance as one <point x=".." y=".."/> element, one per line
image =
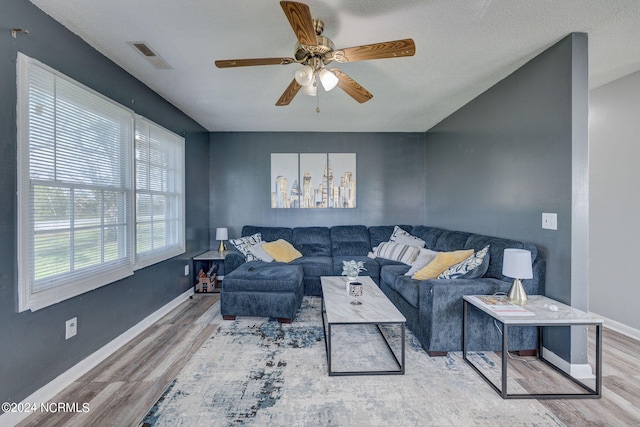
<point x="258" y="372"/>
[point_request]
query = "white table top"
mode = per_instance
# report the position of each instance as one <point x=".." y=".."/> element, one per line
<point x="542" y="315"/>
<point x="214" y="255"/>
<point x="375" y="307"/>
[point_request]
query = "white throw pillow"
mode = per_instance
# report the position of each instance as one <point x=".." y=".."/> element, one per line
<point x="258" y="251"/>
<point x="424" y="257"/>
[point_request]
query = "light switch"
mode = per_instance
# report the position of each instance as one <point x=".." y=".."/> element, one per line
<point x="550" y="221"/>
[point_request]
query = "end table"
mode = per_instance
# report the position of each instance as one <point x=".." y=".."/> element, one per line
<point x="564" y="315"/>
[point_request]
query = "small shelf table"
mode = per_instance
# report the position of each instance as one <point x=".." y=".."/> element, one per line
<point x="207" y="259"/>
<point x="542" y="316"/>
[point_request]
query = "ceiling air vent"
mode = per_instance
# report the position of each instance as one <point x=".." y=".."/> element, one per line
<point x="156" y="60"/>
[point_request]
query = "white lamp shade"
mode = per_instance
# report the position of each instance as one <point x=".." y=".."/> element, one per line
<point x="304" y="75"/>
<point x="311" y="89"/>
<point x="222" y="234"/>
<point x="328" y="79"/>
<point x="516" y="264"/>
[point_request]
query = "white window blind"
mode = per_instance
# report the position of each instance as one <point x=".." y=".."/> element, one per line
<point x="160" y="224"/>
<point x="75" y="194"/>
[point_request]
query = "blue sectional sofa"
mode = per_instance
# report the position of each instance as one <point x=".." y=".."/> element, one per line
<point x="433" y="307"/>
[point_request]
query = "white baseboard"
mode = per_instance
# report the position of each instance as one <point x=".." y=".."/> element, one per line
<point x="621" y="328"/>
<point x="48" y="391"/>
<point x="576" y="370"/>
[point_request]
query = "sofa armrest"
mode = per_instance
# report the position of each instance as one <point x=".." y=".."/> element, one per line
<point x="232" y="261"/>
<point x="440" y="310"/>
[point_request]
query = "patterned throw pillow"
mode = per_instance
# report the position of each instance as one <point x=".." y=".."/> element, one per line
<point x="244" y="243"/>
<point x="401" y="236"/>
<point x="470" y="267"/>
<point x="397" y="252"/>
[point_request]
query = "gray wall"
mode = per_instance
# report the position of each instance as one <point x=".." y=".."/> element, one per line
<point x="32" y="345"/>
<point x="500" y="161"/>
<point x="389" y="174"/>
<point x="614" y="135"/>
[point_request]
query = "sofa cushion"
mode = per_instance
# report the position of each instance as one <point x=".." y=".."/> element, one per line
<point x="451" y="241"/>
<point x="269" y="234"/>
<point x="350" y="240"/>
<point x="315" y="266"/>
<point x="497" y="246"/>
<point x="372" y="266"/>
<point x="440" y="263"/>
<point x="442" y="240"/>
<point x="408" y="288"/>
<point x="382" y="233"/>
<point x="281" y="250"/>
<point x="430" y="235"/>
<point x="383" y="261"/>
<point x="312" y="241"/>
<point x="244" y="243"/>
<point x="471" y="268"/>
<point x="388" y="273"/>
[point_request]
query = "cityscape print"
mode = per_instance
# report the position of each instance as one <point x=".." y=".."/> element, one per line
<point x="313" y="180"/>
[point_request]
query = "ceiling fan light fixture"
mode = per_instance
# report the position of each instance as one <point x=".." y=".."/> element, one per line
<point x="311" y="89"/>
<point x="304" y="75"/>
<point x="328" y="79"/>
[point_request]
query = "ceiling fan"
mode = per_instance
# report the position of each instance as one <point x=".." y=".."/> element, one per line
<point x="315" y="51"/>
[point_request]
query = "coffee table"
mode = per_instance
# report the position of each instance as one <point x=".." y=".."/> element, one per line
<point x="375" y="309"/>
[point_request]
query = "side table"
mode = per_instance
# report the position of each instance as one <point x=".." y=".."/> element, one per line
<point x="206" y="260"/>
<point x="542" y="316"/>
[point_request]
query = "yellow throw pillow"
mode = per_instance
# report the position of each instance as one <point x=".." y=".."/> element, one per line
<point x="282" y="251"/>
<point x="440" y="263"/>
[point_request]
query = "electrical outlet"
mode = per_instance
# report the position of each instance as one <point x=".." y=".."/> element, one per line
<point x="550" y="221"/>
<point x="71" y="328"/>
<point x="186" y="270"/>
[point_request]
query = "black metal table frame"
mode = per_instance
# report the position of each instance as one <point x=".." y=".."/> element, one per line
<point x="327" y="341"/>
<point x="590" y="392"/>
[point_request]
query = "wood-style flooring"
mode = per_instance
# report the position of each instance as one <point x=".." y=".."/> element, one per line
<point x="122" y="389"/>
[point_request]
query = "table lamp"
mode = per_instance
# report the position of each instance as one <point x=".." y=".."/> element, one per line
<point x="222" y="234"/>
<point x="516" y="263"/>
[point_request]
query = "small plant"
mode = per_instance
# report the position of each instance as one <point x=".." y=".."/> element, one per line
<point x="352" y="268"/>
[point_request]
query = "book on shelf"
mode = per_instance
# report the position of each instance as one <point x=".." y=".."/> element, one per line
<point x="499" y="304"/>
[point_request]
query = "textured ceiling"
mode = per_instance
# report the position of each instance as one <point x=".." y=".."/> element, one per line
<point x="463" y="47"/>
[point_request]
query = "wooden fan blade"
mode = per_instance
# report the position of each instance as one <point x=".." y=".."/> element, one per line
<point x="351" y="87"/>
<point x="231" y="63"/>
<point x="299" y="17"/>
<point x="392" y="49"/>
<point x="289" y="93"/>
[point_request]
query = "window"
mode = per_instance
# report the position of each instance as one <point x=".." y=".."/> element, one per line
<point x="76" y="194"/>
<point x="159" y="193"/>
